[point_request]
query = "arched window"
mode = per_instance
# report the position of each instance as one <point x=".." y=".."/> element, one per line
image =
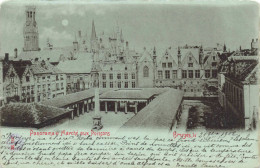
<point x="146" y="71"/>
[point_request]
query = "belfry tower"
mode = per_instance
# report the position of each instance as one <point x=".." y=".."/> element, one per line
<point x="30" y="31"/>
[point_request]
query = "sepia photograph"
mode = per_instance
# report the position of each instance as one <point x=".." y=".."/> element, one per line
<point x="129" y="84"/>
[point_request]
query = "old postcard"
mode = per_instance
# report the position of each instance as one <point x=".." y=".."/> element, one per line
<point x="129" y="84"/>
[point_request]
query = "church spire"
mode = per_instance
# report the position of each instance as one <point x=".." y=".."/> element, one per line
<point x="93" y="34"/>
<point x="224" y="48"/>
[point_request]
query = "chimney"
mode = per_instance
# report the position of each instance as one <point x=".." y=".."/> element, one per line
<point x="6" y="57"/>
<point x="79" y="34"/>
<point x="15" y="53"/>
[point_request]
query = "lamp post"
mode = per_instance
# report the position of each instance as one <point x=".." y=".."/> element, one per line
<point x="97" y="125"/>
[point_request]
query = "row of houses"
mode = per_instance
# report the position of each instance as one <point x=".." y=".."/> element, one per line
<point x="26" y="81"/>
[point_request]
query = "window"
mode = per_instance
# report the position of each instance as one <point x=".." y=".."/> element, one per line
<point x="164" y="65"/>
<point x="160" y="75"/>
<point x="167" y="74"/>
<point x="133" y="75"/>
<point x="119" y="84"/>
<point x="146" y="71"/>
<point x="16" y="91"/>
<point x="12" y="79"/>
<point x="57" y="77"/>
<point x="214" y="58"/>
<point x="197" y="73"/>
<point x="190" y="64"/>
<point x="169" y="65"/>
<point x="126" y="84"/>
<point x="57" y="86"/>
<point x="104" y="76"/>
<point x="174" y="74"/>
<point x="27" y="78"/>
<point x="119" y="76"/>
<point x="75" y="79"/>
<point x="104" y="84"/>
<point x="190" y="58"/>
<point x="133" y="84"/>
<point x="110" y="76"/>
<point x="214" y="64"/>
<point x="23" y="89"/>
<point x="49" y="86"/>
<point x="207" y="73"/>
<point x="190" y="73"/>
<point x="111" y="84"/>
<point x="126" y="68"/>
<point x="81" y="78"/>
<point x="214" y="73"/>
<point x="38" y="79"/>
<point x="184" y="74"/>
<point x="126" y="76"/>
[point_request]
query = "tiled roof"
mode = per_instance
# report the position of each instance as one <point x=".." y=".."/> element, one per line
<point x="28" y="114"/>
<point x="117" y="66"/>
<point x="53" y="55"/>
<point x="72" y="98"/>
<point x="19" y="67"/>
<point x="83" y="64"/>
<point x="46" y="68"/>
<point x="159" y="114"/>
<point x="131" y="93"/>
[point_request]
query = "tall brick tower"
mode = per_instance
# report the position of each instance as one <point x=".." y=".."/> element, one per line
<point x="30" y="31"/>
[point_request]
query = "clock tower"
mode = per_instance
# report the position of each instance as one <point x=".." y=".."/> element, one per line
<point x="30" y="31"/>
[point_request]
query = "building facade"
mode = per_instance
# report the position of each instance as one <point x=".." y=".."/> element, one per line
<point x="27" y="82"/>
<point x="239" y="94"/>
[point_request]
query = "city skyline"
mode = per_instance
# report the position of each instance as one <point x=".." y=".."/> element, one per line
<point x="182" y="24"/>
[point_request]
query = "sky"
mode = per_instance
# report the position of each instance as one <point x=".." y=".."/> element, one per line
<point x="143" y="25"/>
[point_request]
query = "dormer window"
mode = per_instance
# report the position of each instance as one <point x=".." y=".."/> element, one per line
<point x="190" y="58"/>
<point x="125" y="68"/>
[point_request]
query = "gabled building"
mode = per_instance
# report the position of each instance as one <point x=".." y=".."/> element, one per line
<point x="78" y="72"/>
<point x="25" y="81"/>
<point x="240" y="92"/>
<point x="145" y="70"/>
